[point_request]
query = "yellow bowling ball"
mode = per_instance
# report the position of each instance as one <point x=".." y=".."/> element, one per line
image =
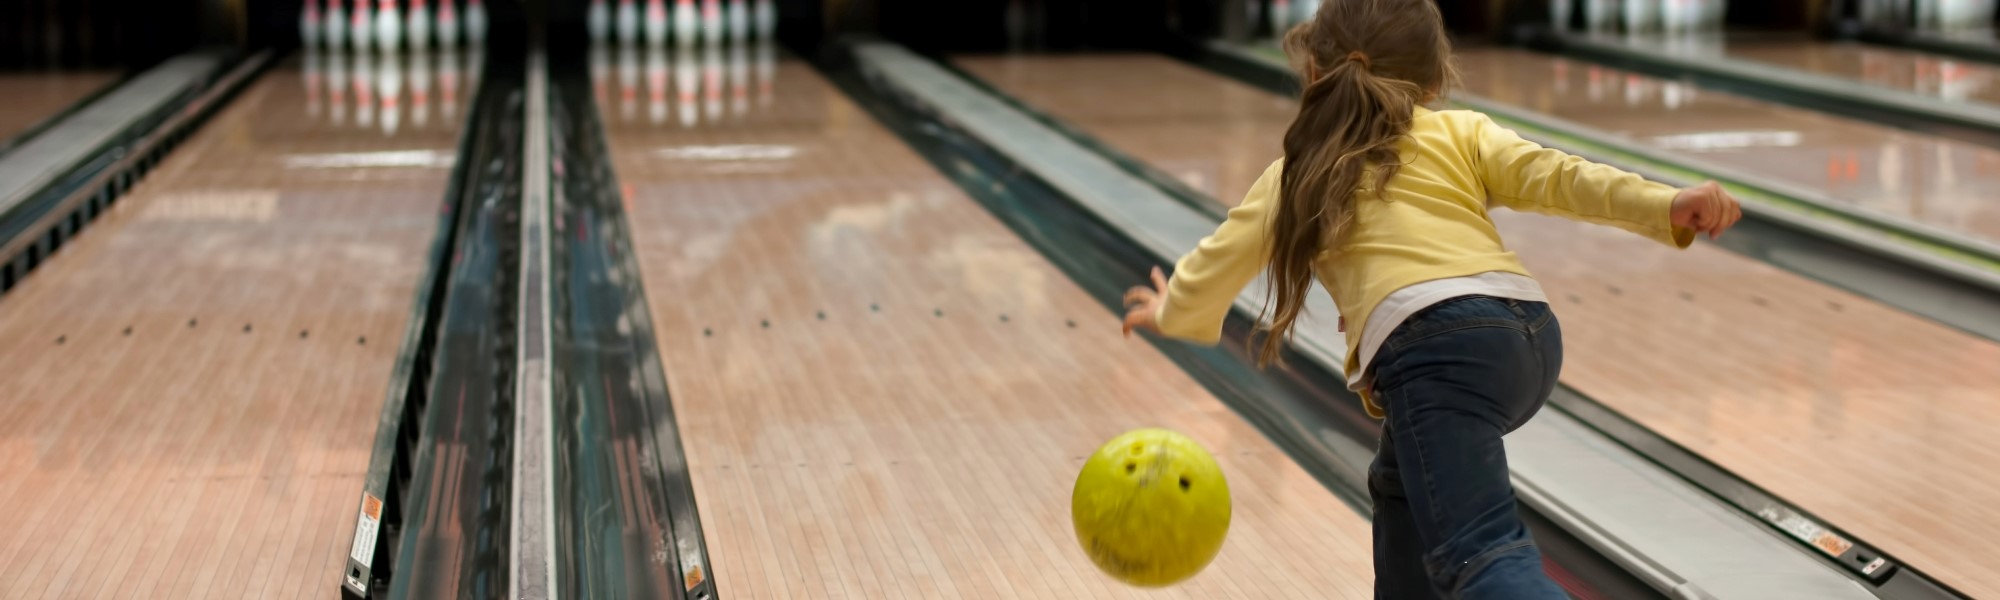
<point x="1151" y="507"/>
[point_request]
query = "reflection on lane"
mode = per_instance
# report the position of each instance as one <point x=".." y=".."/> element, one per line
<point x="385" y="83"/>
<point x="1942" y="77"/>
<point x="1939" y="182"/>
<point x="708" y="84"/>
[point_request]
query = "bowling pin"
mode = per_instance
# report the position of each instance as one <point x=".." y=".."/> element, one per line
<point x="687" y="25"/>
<point x="336" y="87"/>
<point x="1304" y="10"/>
<point x="313" y="80"/>
<point x="687" y="86"/>
<point x="389" y="83"/>
<point x="364" y="91"/>
<point x="1640" y="15"/>
<point x="418" y="28"/>
<point x="711" y="82"/>
<point x="1281" y="17"/>
<point x="447" y="80"/>
<point x="628" y="81"/>
<point x="739" y="21"/>
<point x="711" y="21"/>
<point x="739" y="80"/>
<point x="360" y="28"/>
<point x="475" y="22"/>
<point x="656" y="23"/>
<point x="388" y="28"/>
<point x="447" y="24"/>
<point x="420" y="86"/>
<point x="1559" y="13"/>
<point x="598" y="19"/>
<point x="628" y="22"/>
<point x="309" y="25"/>
<point x="656" y="84"/>
<point x="336" y="26"/>
<point x="600" y="72"/>
<point x="767" y="69"/>
<point x="767" y="19"/>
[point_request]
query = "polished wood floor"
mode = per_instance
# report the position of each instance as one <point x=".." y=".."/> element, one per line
<point x="883" y="392"/>
<point x="191" y="386"/>
<point x="1876" y="420"/>
<point x="1935" y="181"/>
<point x="32" y="98"/>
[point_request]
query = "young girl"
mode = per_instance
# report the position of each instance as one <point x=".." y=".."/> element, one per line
<point x="1449" y="339"/>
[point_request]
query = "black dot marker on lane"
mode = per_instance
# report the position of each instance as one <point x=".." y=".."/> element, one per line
<point x="60" y="339"/>
<point x="874" y="307"/>
<point x="766" y="323"/>
<point x="362" y="341"/>
<point x="128" y="330"/>
<point x="191" y="322"/>
<point x="821" y="315"/>
<point x="1003" y="318"/>
<point x="706" y="332"/>
<point x="937" y="312"/>
<point x="246" y="328"/>
<point x="302" y="334"/>
<point x="1070" y="322"/>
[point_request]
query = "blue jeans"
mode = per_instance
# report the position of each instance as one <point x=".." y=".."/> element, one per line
<point x="1453" y="379"/>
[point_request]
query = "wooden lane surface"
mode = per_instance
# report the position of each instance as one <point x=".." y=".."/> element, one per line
<point x="264" y="272"/>
<point x="885" y="394"/>
<point x="34" y="97"/>
<point x="1866" y="416"/>
<point x="1936" y="181"/>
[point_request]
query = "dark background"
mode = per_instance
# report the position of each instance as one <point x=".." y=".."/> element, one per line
<point x="137" y="33"/>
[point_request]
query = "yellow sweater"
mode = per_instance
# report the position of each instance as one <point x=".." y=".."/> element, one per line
<point x="1429" y="222"/>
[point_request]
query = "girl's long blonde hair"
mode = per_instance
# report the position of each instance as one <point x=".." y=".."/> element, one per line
<point x="1367" y="65"/>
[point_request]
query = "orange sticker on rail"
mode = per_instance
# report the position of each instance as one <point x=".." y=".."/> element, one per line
<point x="371" y="506"/>
<point x="1832" y="544"/>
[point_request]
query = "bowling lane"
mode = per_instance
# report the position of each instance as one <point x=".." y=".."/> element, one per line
<point x="882" y="391"/>
<point x="1939" y="182"/>
<point x="193" y="382"/>
<point x="1861" y="414"/>
<point x="33" y="98"/>
<point x="1932" y="75"/>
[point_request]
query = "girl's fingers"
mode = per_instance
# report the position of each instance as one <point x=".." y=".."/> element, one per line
<point x="1159" y="280"/>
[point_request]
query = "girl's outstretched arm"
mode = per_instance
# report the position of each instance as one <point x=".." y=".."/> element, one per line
<point x="1192" y="305"/>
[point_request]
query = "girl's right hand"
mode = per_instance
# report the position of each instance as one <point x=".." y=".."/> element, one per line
<point x="1706" y="208"/>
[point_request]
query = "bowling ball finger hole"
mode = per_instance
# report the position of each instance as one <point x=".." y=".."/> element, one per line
<point x="1131" y="468"/>
<point x="1184" y="483"/>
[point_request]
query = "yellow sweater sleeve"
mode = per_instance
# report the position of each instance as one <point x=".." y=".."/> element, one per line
<point x="1527" y="177"/>
<point x="1206" y="282"/>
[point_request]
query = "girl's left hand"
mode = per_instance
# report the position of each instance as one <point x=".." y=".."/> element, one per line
<point x="1142" y="304"/>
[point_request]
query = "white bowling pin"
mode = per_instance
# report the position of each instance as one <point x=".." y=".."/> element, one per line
<point x="447" y="23"/>
<point x="767" y="19"/>
<point x="628" y="22"/>
<point x="448" y="81"/>
<point x="313" y="79"/>
<point x="360" y="27"/>
<point x="687" y="86"/>
<point x="739" y="80"/>
<point x="628" y="81"/>
<point x="598" y="19"/>
<point x="420" y="87"/>
<point x="336" y="87"/>
<point x="1281" y="18"/>
<point x="309" y="25"/>
<point x="364" y="91"/>
<point x="600" y="71"/>
<point x="711" y="21"/>
<point x="656" y="23"/>
<point x="388" y="28"/>
<point x="389" y="83"/>
<point x="656" y="84"/>
<point x="767" y="69"/>
<point x="418" y="28"/>
<point x="687" y="23"/>
<point x="336" y="26"/>
<point x="739" y="21"/>
<point x="475" y="22"/>
<point x="1640" y="15"/>
<point x="711" y="82"/>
